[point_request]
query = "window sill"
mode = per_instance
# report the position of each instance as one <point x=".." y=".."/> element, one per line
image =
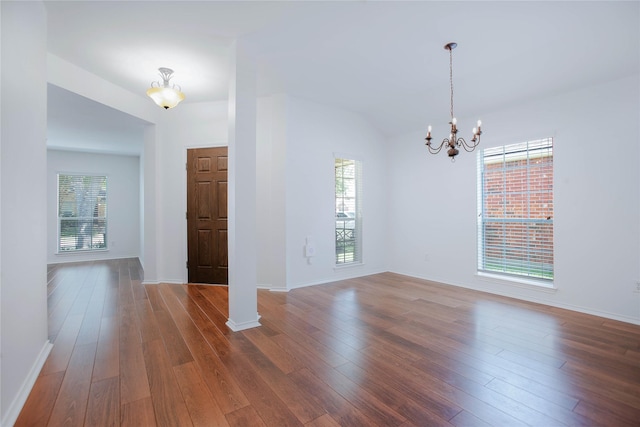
<point x="538" y="285"/>
<point x="86" y="251"/>
<point x="350" y="265"/>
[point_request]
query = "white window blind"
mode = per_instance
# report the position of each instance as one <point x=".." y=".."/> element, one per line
<point x="515" y="205"/>
<point x="348" y="221"/>
<point x="82" y="212"/>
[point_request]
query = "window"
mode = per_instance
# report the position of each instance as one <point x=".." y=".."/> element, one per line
<point x="82" y="212"/>
<point x="515" y="206"/>
<point x="348" y="178"/>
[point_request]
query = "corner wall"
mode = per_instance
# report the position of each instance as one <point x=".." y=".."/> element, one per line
<point x="271" y="146"/>
<point x="596" y="198"/>
<point x="314" y="133"/>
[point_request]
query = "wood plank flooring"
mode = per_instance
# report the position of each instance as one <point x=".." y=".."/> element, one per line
<point x="382" y="350"/>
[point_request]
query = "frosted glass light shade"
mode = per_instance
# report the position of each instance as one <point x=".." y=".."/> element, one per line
<point x="165" y="97"/>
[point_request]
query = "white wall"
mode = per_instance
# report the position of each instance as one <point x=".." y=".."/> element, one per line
<point x="296" y="141"/>
<point x="23" y="278"/>
<point x="271" y="146"/>
<point x="313" y="134"/>
<point x="596" y="196"/>
<point x="123" y="202"/>
<point x="187" y="126"/>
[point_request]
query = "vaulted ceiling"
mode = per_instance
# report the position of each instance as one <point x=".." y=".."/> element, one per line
<point x="384" y="59"/>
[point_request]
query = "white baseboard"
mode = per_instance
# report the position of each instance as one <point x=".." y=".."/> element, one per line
<point x="18" y="402"/>
<point x="86" y="256"/>
<point x="333" y="279"/>
<point x="544" y="301"/>
<point x="236" y="327"/>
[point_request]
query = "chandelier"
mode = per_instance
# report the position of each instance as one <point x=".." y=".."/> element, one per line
<point x="453" y="141"/>
<point x="165" y="95"/>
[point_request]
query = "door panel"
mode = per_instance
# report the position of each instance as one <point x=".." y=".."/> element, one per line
<point x="222" y="199"/>
<point x="207" y="215"/>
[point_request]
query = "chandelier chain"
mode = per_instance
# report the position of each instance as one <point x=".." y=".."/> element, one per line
<point x="451" y="78"/>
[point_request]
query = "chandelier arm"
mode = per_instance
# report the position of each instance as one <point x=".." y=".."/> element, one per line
<point x="468" y="147"/>
<point x="437" y="150"/>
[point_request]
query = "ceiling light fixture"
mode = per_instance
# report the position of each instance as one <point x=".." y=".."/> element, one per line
<point x="165" y="95"/>
<point x="453" y="141"/>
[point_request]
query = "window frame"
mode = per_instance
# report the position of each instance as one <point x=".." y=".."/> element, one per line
<point x="536" y="265"/>
<point x="349" y="204"/>
<point x="99" y="214"/>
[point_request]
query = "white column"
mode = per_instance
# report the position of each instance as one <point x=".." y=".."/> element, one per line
<point x="243" y="296"/>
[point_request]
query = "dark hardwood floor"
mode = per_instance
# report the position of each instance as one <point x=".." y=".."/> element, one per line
<point x="383" y="350"/>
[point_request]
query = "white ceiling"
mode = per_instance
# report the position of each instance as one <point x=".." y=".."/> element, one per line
<point x="384" y="59"/>
<point x="77" y="123"/>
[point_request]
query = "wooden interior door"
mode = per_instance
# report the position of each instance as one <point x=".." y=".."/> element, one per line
<point x="207" y="215"/>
